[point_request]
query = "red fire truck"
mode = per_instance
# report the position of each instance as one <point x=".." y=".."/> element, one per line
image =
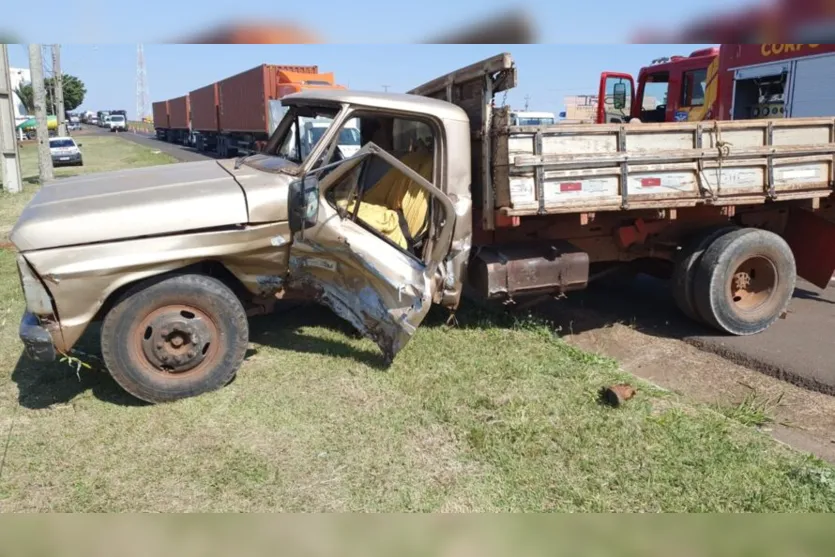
<point x="731" y="82"/>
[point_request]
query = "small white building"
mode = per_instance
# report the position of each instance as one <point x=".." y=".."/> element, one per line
<point x="20" y="76"/>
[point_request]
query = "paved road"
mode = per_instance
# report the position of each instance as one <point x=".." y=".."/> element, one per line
<point x="799" y="349"/>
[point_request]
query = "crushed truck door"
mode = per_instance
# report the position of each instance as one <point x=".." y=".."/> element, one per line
<point x="352" y="263"/>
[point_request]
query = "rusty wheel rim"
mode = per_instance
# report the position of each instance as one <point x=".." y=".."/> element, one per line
<point x="175" y="341"/>
<point x="753" y="283"/>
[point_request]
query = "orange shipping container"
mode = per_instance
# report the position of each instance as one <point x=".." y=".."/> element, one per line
<point x="160" y="112"/>
<point x="244" y="98"/>
<point x="204" y="108"/>
<point x="179" y="115"/>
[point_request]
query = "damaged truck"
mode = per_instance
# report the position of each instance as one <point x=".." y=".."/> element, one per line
<point x="443" y="197"/>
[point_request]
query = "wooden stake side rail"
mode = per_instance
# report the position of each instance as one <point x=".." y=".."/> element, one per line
<point x="557" y="169"/>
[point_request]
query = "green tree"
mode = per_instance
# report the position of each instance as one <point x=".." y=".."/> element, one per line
<point x="27" y="96"/>
<point x="74" y="91"/>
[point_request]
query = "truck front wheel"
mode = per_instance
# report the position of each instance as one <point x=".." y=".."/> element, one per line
<point x="745" y="281"/>
<point x="175" y="337"/>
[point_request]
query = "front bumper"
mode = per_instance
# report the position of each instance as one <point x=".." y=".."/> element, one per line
<point x="36" y="339"/>
<point x="58" y="160"/>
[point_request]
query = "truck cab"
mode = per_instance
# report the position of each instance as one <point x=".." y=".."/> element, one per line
<point x="377" y="235"/>
<point x="674" y="89"/>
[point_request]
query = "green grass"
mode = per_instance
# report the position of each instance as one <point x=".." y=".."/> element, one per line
<point x="483" y="417"/>
<point x="488" y="415"/>
<point x="101" y="154"/>
<point x="754" y="410"/>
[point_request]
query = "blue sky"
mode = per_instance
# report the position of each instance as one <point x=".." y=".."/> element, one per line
<point x="547" y="73"/>
<point x="360" y="21"/>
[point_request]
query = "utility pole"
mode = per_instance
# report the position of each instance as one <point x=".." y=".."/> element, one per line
<point x="527" y="100"/>
<point x="9" y="156"/>
<point x="58" y="90"/>
<point x="44" y="158"/>
<point x="386" y="88"/>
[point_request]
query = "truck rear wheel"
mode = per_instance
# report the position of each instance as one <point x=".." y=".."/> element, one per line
<point x="685" y="265"/>
<point x="745" y="281"/>
<point x="174" y="338"/>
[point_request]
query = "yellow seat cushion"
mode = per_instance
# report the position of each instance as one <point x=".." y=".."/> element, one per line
<point x="395" y="191"/>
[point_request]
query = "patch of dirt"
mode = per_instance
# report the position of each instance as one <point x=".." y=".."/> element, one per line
<point x="802" y="419"/>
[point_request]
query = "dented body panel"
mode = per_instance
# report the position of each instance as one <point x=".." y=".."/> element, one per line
<point x="384" y="292"/>
<point x="81" y="278"/>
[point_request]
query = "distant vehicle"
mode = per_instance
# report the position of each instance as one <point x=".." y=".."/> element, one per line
<point x="518" y="118"/>
<point x="348" y="142"/>
<point x="731" y="82"/>
<point x="73" y="126"/>
<point x="65" y="152"/>
<point x="93" y="120"/>
<point x="237" y="115"/>
<point x="117" y="123"/>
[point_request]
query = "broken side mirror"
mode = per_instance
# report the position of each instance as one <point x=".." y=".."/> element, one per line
<point x="303" y="203"/>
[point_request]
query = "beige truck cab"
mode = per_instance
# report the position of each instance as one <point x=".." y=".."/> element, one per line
<point x="173" y="259"/>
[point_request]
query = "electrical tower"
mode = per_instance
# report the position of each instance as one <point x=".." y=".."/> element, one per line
<point x="142" y="97"/>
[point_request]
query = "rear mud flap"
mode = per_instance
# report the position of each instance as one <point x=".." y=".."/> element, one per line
<point x="812" y="240"/>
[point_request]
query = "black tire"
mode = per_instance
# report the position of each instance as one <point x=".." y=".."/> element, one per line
<point x="745" y="281"/>
<point x="685" y="265"/>
<point x="175" y="337"/>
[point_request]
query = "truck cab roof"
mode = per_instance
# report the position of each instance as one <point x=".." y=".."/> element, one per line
<point x="387" y="101"/>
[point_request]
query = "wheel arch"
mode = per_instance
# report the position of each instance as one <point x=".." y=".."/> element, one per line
<point x="210" y="267"/>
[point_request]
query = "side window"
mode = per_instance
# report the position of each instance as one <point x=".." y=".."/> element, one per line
<point x="654" y="100"/>
<point x="383" y="198"/>
<point x="693" y="88"/>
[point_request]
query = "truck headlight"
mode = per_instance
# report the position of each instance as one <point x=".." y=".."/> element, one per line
<point x="37" y="298"/>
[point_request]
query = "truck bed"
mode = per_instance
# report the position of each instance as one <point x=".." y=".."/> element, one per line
<point x="565" y="168"/>
<point x="610" y="167"/>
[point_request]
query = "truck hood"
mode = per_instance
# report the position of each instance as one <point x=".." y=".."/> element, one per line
<point x="130" y="203"/>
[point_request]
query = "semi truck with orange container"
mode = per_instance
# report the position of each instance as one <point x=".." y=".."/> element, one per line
<point x="729" y="82"/>
<point x="235" y="115"/>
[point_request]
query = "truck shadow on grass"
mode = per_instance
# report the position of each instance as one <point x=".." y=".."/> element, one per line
<point x="42" y="386"/>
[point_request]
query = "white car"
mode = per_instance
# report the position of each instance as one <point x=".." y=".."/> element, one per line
<point x="348" y="143"/>
<point x="65" y="152"/>
<point x="117" y="122"/>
